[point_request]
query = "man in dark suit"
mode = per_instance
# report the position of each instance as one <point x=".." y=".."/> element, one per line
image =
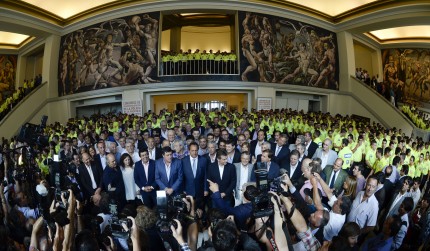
<point x="233" y="155"/>
<point x="144" y="177"/>
<point x="256" y="144"/>
<point x="194" y="168"/>
<point x="280" y="148"/>
<point x="198" y="125"/>
<point x="224" y="174"/>
<point x="154" y="152"/>
<point x="272" y="168"/>
<point x="311" y="146"/>
<point x="112" y="178"/>
<point x="90" y="177"/>
<point x="71" y="180"/>
<point x="293" y="167"/>
<point x="100" y="158"/>
<point x="169" y="173"/>
<point x="335" y="175"/>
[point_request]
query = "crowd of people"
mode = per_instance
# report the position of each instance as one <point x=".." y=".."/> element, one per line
<point x="198" y="62"/>
<point x="392" y="93"/>
<point x="215" y="180"/>
<point x="9" y="101"/>
<point x="420" y="118"/>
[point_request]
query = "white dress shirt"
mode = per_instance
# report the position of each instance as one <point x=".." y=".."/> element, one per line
<point x="151" y="153"/>
<point x="93" y="181"/>
<point x="293" y="169"/>
<point x="221" y="170"/>
<point x="243" y="175"/>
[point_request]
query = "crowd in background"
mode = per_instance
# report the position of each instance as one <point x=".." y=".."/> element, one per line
<point x="391" y="93"/>
<point x="420" y="118"/>
<point x="198" y="62"/>
<point x="10" y="99"/>
<point x="336" y="183"/>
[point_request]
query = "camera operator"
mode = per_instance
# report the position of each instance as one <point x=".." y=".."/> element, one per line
<point x="242" y="212"/>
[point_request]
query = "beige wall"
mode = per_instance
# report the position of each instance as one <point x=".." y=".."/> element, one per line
<point x="202" y="38"/>
<point x="365" y="58"/>
<point x="169" y="101"/>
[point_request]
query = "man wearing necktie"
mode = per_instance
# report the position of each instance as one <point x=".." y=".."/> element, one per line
<point x="335" y="175"/>
<point x="282" y="152"/>
<point x="194" y="167"/>
<point x="90" y="177"/>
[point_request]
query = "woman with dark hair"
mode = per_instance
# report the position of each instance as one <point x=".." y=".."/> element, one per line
<point x="127" y="169"/>
<point x="350" y="231"/>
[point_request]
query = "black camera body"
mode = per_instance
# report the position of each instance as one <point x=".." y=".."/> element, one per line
<point x="262" y="206"/>
<point x="116" y="222"/>
<point x="118" y="229"/>
<point x="170" y="208"/>
<point x="177" y="203"/>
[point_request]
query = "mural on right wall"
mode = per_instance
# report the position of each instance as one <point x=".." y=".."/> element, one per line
<point x="409" y="71"/>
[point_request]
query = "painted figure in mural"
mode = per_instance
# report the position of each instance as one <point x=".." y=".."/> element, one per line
<point x="149" y="33"/>
<point x="248" y="47"/>
<point x="114" y="53"/>
<point x="7" y="74"/>
<point x="390" y="73"/>
<point x="63" y="70"/>
<point x="282" y="51"/>
<point x="303" y="58"/>
<point x="329" y="61"/>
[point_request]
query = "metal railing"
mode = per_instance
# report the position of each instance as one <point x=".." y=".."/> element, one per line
<point x="199" y="67"/>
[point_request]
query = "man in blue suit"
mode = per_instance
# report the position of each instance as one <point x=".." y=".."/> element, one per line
<point x="168" y="172"/>
<point x="144" y="177"/>
<point x="194" y="168"/>
<point x="273" y="168"/>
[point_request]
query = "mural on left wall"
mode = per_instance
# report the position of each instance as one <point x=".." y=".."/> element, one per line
<point x="7" y="72"/>
<point x="117" y="52"/>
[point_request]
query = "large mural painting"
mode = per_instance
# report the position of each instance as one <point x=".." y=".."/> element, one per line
<point x="279" y="50"/>
<point x="408" y="72"/>
<point x="7" y="72"/>
<point x="117" y="52"/>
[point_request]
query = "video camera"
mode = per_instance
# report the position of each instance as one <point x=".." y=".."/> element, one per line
<point x="116" y="223"/>
<point x="171" y="208"/>
<point x="59" y="192"/>
<point x="262" y="205"/>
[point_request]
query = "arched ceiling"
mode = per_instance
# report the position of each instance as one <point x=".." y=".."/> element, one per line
<point x="383" y="22"/>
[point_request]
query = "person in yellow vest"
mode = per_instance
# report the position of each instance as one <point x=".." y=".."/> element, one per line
<point x="317" y="138"/>
<point x="370" y="157"/>
<point x="357" y="148"/>
<point x="338" y="138"/>
<point x="421" y="169"/>
<point x="345" y="154"/>
<point x="412" y="167"/>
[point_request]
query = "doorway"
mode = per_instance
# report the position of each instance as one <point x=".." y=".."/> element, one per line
<point x="197" y="101"/>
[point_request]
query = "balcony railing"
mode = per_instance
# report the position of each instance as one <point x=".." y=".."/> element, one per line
<point x="188" y="65"/>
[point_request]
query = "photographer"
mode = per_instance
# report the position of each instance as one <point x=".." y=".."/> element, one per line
<point x="242" y="212"/>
